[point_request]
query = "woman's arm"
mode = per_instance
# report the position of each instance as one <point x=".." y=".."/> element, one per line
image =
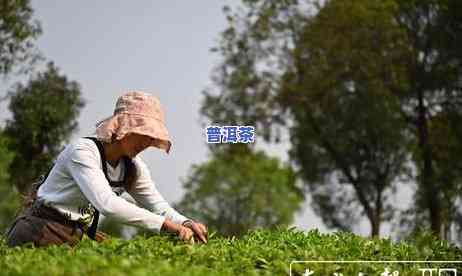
<point x="147" y="195"/>
<point x="84" y="167"/>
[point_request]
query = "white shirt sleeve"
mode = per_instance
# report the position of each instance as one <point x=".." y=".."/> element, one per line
<point x="147" y="195"/>
<point x="85" y="168"/>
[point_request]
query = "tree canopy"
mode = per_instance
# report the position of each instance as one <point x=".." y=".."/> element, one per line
<point x="357" y="85"/>
<point x="44" y="115"/>
<point x="18" y="31"/>
<point x="238" y="190"/>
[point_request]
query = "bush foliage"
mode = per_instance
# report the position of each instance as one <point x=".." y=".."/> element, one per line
<point x="260" y="252"/>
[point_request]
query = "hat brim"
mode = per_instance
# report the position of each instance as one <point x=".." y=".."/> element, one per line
<point x="119" y="125"/>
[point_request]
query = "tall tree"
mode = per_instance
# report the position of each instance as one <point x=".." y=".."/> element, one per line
<point x="434" y="70"/>
<point x="347" y="139"/>
<point x="398" y="59"/>
<point x="347" y="128"/>
<point x="44" y="115"/>
<point x="17" y="33"/>
<point x="238" y="190"/>
<point x="445" y="140"/>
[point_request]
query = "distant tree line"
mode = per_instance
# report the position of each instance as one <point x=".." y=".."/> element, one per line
<point x="370" y="95"/>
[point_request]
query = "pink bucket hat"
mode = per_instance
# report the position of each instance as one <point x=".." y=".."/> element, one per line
<point x="136" y="112"/>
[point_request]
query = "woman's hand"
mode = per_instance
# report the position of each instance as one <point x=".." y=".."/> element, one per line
<point x="186" y="234"/>
<point x="183" y="232"/>
<point x="199" y="229"/>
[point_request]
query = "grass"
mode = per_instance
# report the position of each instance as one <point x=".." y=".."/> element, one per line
<point x="257" y="253"/>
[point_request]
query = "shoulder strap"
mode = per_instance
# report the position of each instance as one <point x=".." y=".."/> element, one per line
<point x="101" y="154"/>
<point x="43" y="177"/>
<point x="104" y="163"/>
<point x="94" y="225"/>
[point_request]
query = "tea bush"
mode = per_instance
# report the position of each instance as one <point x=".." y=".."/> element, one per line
<point x="257" y="253"/>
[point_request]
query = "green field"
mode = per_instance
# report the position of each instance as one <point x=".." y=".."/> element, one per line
<point x="257" y="253"/>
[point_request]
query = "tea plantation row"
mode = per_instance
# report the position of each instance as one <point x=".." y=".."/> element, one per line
<point x="257" y="253"/>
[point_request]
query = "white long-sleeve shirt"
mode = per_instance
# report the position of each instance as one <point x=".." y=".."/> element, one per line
<point x="77" y="182"/>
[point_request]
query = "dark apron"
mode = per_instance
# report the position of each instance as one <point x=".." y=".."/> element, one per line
<point x="42" y="225"/>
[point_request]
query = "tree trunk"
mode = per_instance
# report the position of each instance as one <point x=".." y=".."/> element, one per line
<point x="376" y="216"/>
<point x="431" y="192"/>
<point x="375" y="226"/>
